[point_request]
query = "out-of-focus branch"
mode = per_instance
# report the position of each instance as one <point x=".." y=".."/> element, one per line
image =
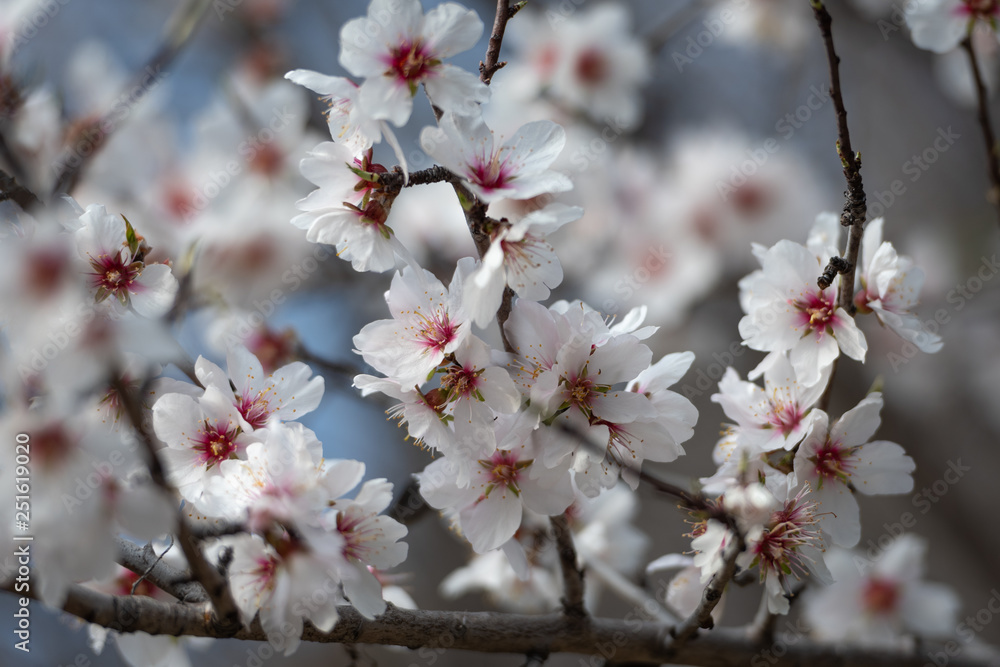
<point x="11" y="190"/>
<point x="178" y="33"/>
<point x="992" y="159"/>
<point x="572" y="573"/>
<point x="143" y="561"/>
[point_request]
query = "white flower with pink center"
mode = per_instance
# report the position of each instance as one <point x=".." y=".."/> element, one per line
<point x="517" y="169"/>
<point x="284" y="395"/>
<point x="835" y="459"/>
<point x="200" y="434"/>
<point x="117" y="267"/>
<point x="939" y="25"/>
<point x="370" y="540"/>
<point x="503" y="482"/>
<point x="396" y="49"/>
<point x="280" y="480"/>
<point x="881" y="601"/>
<point x="341" y="211"/>
<point x="889" y="286"/>
<point x="788" y="312"/>
<point x="474" y="387"/>
<point x="772" y="417"/>
<point x="428" y="323"/>
<point x="272" y="576"/>
<point x="520" y="258"/>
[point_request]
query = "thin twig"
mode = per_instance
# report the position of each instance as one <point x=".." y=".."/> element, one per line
<point x="142" y="560"/>
<point x="993" y="161"/>
<point x="338" y="367"/>
<point x="702" y="616"/>
<point x="856" y="207"/>
<point x="625" y="589"/>
<point x="146" y="572"/>
<point x="572" y="573"/>
<point x="503" y="14"/>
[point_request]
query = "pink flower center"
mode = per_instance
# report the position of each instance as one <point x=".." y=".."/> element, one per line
<point x="46" y="269"/>
<point x="112" y="275"/>
<point x="591" y="67"/>
<point x="785" y="416"/>
<point x="437" y="331"/>
<point x="880" y="596"/>
<point x="492" y="174"/>
<point x="790" y="529"/>
<point x="460" y="382"/>
<point x="411" y="63"/>
<point x="52" y="444"/>
<point x="817" y="311"/>
<point x="254" y="408"/>
<point x="215" y="443"/>
<point x="984" y="9"/>
<point x="832" y="463"/>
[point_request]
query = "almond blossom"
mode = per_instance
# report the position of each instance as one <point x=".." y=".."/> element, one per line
<point x="788" y="312"/>
<point x="118" y="269"/>
<point x="520" y="258"/>
<point x="341" y="211"/>
<point x="836" y="459"/>
<point x="889" y="286"/>
<point x="508" y="477"/>
<point x="772" y="417"/>
<point x="200" y="433"/>
<point x="396" y="48"/>
<point x="939" y="25"/>
<point x="286" y="394"/>
<point x="881" y="602"/>
<point x="428" y="322"/>
<point x="517" y="169"/>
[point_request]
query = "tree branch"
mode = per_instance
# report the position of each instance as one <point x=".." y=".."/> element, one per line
<point x="572" y="573"/>
<point x="489" y="632"/>
<point x="504" y="13"/>
<point x="143" y="561"/>
<point x="702" y="616"/>
<point x="11" y="190"/>
<point x="992" y="160"/>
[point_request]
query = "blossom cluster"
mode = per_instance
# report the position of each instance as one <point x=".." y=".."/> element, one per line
<point x="528" y="410"/>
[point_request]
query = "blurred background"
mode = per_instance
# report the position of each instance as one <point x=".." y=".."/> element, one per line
<point x="695" y="128"/>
